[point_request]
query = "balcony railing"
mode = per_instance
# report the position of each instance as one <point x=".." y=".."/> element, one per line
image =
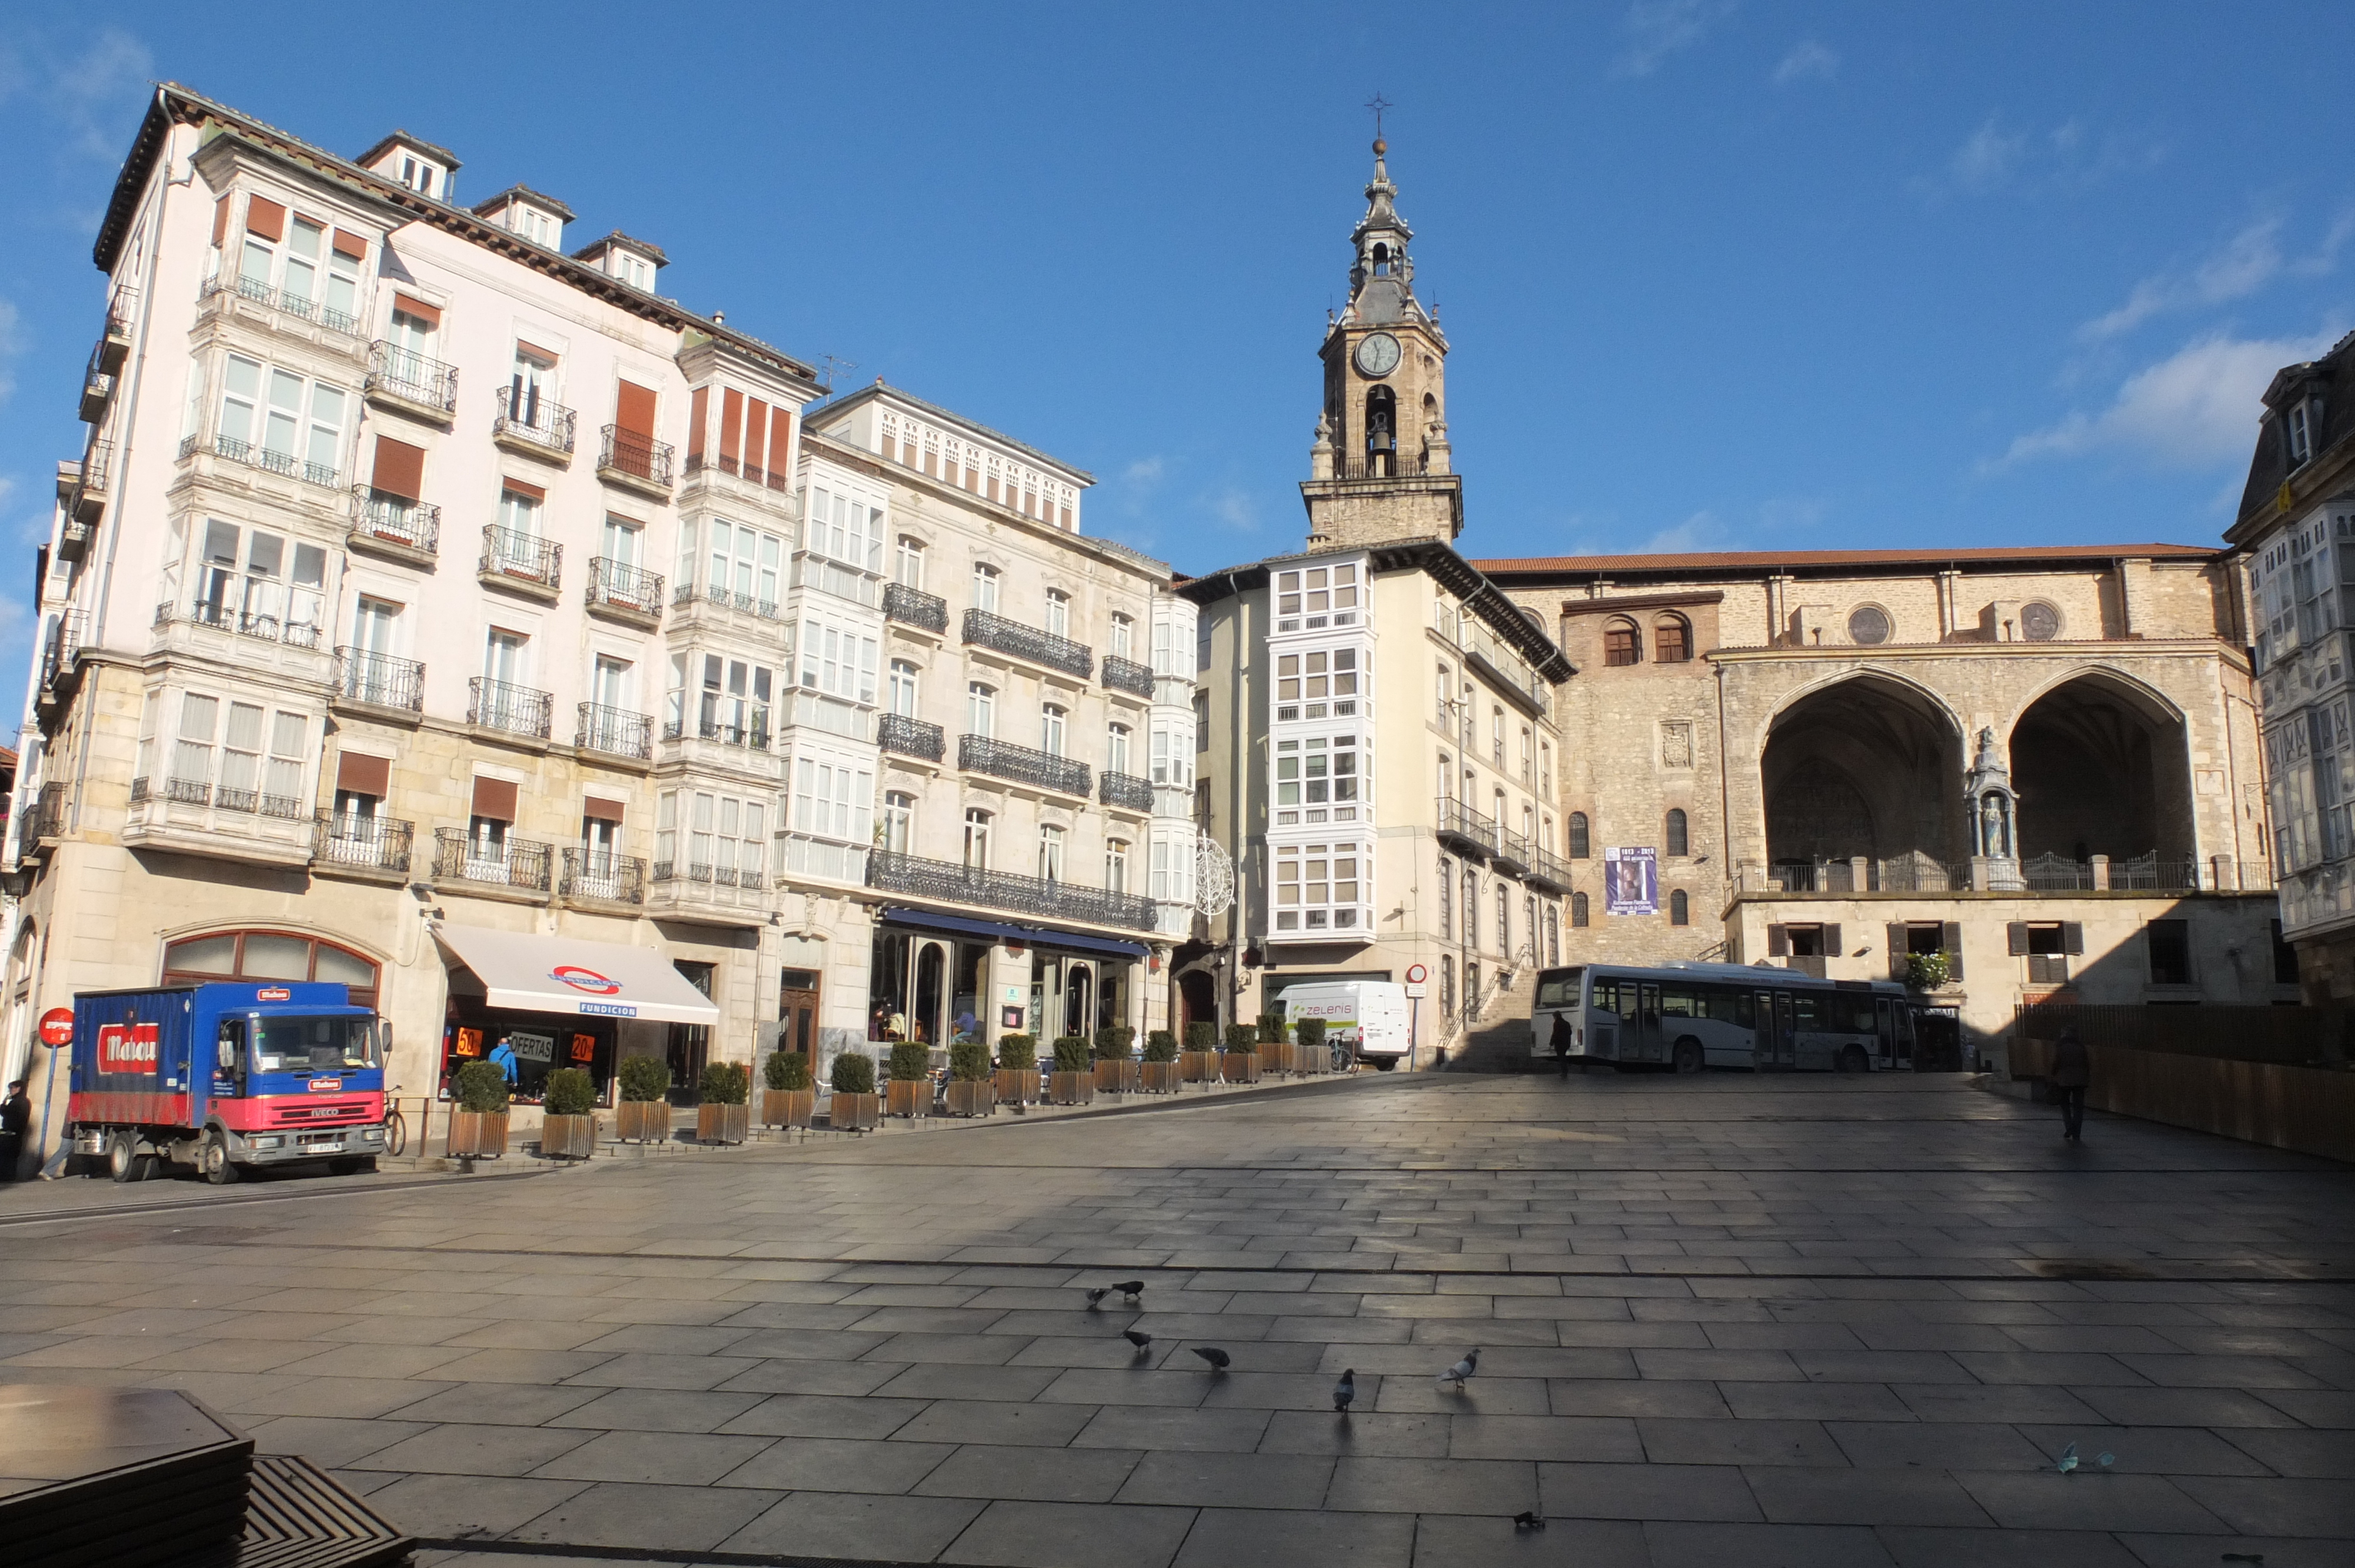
<point x="97" y="469"/>
<point x="49" y="811"/>
<point x="114" y="341"/>
<point x="754" y="735"/>
<point x="619" y="585"/>
<point x="905" y="736"/>
<point x="519" y="710"/>
<point x="987" y="630"/>
<point x="63" y="643"/>
<point x="409" y="376"/>
<point x="458" y="856"/>
<point x="915" y="607"/>
<point x="379" y="680"/>
<point x="749" y="472"/>
<point x="1466" y="830"/>
<point x="1022" y="765"/>
<point x="1126" y="789"/>
<point x="263" y="627"/>
<point x="1548" y="869"/>
<point x="750" y="879"/>
<point x="396" y="520"/>
<point x="616" y="879"/>
<point x="636" y="456"/>
<point x="1127" y="675"/>
<point x="526" y="557"/>
<point x="234" y="449"/>
<point x="370" y="843"/>
<point x="279" y="299"/>
<point x="534" y="420"/>
<point x="728" y="599"/>
<point x="912" y="874"/>
<point x="614" y="730"/>
<point x="1514" y="852"/>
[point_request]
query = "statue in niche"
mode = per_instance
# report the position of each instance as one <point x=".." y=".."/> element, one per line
<point x="1995" y="826"/>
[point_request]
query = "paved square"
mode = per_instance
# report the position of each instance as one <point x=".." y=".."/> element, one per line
<point x="1722" y="1320"/>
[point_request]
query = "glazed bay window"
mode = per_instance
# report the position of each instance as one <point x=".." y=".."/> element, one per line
<point x="1314" y="596"/>
<point x="280" y="421"/>
<point x="1318" y="775"/>
<point x="321" y="276"/>
<point x="730" y="699"/>
<point x="831" y="796"/>
<point x="261" y="584"/>
<point x="1311" y="678"/>
<point x="845" y="533"/>
<point x="737" y="565"/>
<point x="1317" y="888"/>
<point x="703" y="835"/>
<point x="1172" y="751"/>
<point x="838" y="660"/>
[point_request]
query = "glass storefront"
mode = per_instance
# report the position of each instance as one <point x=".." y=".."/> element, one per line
<point x="528" y="1046"/>
<point x="925" y="987"/>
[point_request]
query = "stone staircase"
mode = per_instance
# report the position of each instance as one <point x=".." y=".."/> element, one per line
<point x="1496" y="1037"/>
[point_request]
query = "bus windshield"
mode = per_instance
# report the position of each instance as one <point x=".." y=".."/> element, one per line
<point x="1559" y="988"/>
<point x="318" y="1044"/>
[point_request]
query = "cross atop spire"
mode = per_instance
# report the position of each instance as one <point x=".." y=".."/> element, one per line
<point x="1379" y="105"/>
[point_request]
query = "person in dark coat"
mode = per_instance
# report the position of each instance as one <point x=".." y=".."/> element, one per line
<point x="1561" y="1041"/>
<point x="15" y="1120"/>
<point x="2073" y="1069"/>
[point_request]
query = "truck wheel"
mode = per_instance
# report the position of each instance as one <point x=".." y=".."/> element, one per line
<point x="215" y="1162"/>
<point x="122" y="1162"/>
<point x="1687" y="1056"/>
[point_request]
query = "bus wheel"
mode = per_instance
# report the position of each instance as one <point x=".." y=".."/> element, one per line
<point x="1851" y="1060"/>
<point x="122" y="1162"/>
<point x="215" y="1162"/>
<point x="1687" y="1056"/>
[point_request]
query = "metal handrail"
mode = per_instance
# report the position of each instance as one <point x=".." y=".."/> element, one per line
<point x="409" y="375"/>
<point x="379" y="843"/>
<point x="625" y="586"/>
<point x="284" y="463"/>
<point x="497" y="705"/>
<point x="1126" y="789"/>
<point x="1022" y="765"/>
<point x="915" y="607"/>
<point x="509" y="553"/>
<point x="989" y="630"/>
<point x="1459" y="821"/>
<point x="728" y="599"/>
<point x="516" y="862"/>
<point x="1127" y="675"/>
<point x="892" y="872"/>
<point x="541" y="422"/>
<point x="279" y="299"/>
<point x="379" y="680"/>
<point x="636" y="454"/>
<point x="614" y="730"/>
<point x="906" y="737"/>
<point x="395" y="519"/>
<point x="616" y="879"/>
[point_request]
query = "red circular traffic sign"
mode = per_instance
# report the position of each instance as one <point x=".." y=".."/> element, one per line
<point x="1416" y="974"/>
<point x="56" y="1027"/>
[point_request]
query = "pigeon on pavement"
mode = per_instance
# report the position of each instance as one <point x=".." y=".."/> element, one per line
<point x="1129" y="1288"/>
<point x="1345" y="1392"/>
<point x="1097" y="1295"/>
<point x="1462" y="1370"/>
<point x="1143" y="1343"/>
<point x="1528" y="1521"/>
<point x="1215" y="1356"/>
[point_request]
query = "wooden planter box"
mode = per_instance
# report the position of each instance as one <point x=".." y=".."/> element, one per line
<point x="482" y="1134"/>
<point x="1072" y="1088"/>
<point x="855" y="1113"/>
<point x="908" y="1096"/>
<point x="976" y="1097"/>
<point x="1198" y="1066"/>
<point x="721" y="1124"/>
<point x="1116" y="1076"/>
<point x="1161" y="1077"/>
<point x="642" y="1121"/>
<point x="568" y="1137"/>
<point x="1307" y="1061"/>
<point x="1018" y="1086"/>
<point x="1275" y="1058"/>
<point x="787" y="1107"/>
<point x="1237" y="1067"/>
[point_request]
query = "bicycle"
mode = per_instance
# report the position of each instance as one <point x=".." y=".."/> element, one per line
<point x="395" y="1126"/>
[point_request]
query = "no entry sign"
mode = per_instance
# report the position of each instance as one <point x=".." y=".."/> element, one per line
<point x="56" y="1027"/>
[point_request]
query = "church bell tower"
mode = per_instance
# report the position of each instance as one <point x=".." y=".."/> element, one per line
<point x="1380" y="468"/>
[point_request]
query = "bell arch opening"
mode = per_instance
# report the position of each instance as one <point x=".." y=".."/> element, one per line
<point x="1865" y="769"/>
<point x="2104" y="768"/>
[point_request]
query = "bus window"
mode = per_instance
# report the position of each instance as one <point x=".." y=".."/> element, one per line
<point x="1851" y="1014"/>
<point x="1559" y="988"/>
<point x="1628" y="992"/>
<point x="1745" y="1015"/>
<point x="1681" y="1005"/>
<point x="1805" y="1012"/>
<point x="1604" y="996"/>
<point x="1722" y="1005"/>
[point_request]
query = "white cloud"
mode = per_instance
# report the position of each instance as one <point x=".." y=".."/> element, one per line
<point x="1142" y="472"/>
<point x="2325" y="257"/>
<point x="1808" y="62"/>
<point x="12" y="343"/>
<point x="1988" y="158"/>
<point x="1234" y="508"/>
<point x="1996" y="155"/>
<point x="2195" y="408"/>
<point x="2247" y="263"/>
<point x="1655" y="29"/>
<point x="1701" y="531"/>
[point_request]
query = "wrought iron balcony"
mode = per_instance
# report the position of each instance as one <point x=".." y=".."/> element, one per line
<point x="519" y="710"/>
<point x="514" y="862"/>
<point x="395" y="520"/>
<point x="379" y="680"/>
<point x="234" y="449"/>
<point x="49" y="811"/>
<point x="412" y="377"/>
<point x="523" y="558"/>
<point x="915" y="607"/>
<point x="688" y="593"/>
<point x="616" y="879"/>
<point x="64" y="641"/>
<point x="256" y="624"/>
<point x="754" y="735"/>
<point x="1127" y="789"/>
<point x="1127" y="675"/>
<point x="628" y="455"/>
<point x="90" y="486"/>
<point x="749" y="472"/>
<point x="1464" y="829"/>
<point x="1548" y="872"/>
<point x="614" y="730"/>
<point x="368" y="843"/>
<point x="615" y="586"/>
<point x="534" y="421"/>
<point x="1022" y="765"/>
<point x="1514" y="852"/>
<point x="890" y="871"/>
<point x="280" y="301"/>
<point x="750" y="879"/>
<point x="987" y="630"/>
<point x="905" y="736"/>
<point x="114" y="341"/>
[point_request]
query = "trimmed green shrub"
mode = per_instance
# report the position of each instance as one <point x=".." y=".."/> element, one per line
<point x="724" y="1083"/>
<point x="482" y="1087"/>
<point x="1018" y="1054"/>
<point x="1272" y="1028"/>
<point x="569" y="1093"/>
<point x="1243" y="1039"/>
<point x="854" y="1074"/>
<point x="1071" y="1053"/>
<point x="968" y="1061"/>
<point x="1312" y="1033"/>
<point x="910" y="1060"/>
<point x="1161" y="1047"/>
<point x="1113" y="1042"/>
<point x="1202" y="1036"/>
<point x="787" y="1070"/>
<point x="644" y="1077"/>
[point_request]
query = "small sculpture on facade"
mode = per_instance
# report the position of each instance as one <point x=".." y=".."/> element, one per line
<point x="1994" y="812"/>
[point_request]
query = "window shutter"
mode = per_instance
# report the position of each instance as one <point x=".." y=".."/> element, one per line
<point x="2073" y="936"/>
<point x="634" y="410"/>
<point x="781" y="439"/>
<point x="265" y="218"/>
<point x="1950" y="939"/>
<point x="907" y="449"/>
<point x="495" y="799"/>
<point x="429" y="315"/>
<point x="1832" y="945"/>
<point x="2015" y="935"/>
<point x="598" y="811"/>
<point x="731" y="420"/>
<point x="1067" y="517"/>
<point x="756" y="434"/>
<point x="221" y="221"/>
<point x="699" y="412"/>
<point x="349" y="244"/>
<point x="528" y="492"/>
<point x="364" y="775"/>
<point x="1898" y="938"/>
<point x="399" y="468"/>
<point x="1778" y="941"/>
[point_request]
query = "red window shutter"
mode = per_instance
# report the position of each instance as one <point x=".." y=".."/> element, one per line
<point x="221" y="221"/>
<point x="781" y="446"/>
<point x="1067" y="517"/>
<point x="265" y="218"/>
<point x="731" y="420"/>
<point x="699" y="410"/>
<point x="536" y="352"/>
<point x="429" y="315"/>
<point x="932" y="462"/>
<point x="756" y="434"/>
<point x="992" y="490"/>
<point x="528" y="492"/>
<point x="907" y="451"/>
<point x="598" y="811"/>
<point x="495" y="799"/>
<point x="399" y="468"/>
<point x="634" y="410"/>
<point x="364" y="775"/>
<point x="349" y="244"/>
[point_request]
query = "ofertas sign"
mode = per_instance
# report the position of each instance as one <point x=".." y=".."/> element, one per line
<point x="127" y="1048"/>
<point x="56" y="1027"/>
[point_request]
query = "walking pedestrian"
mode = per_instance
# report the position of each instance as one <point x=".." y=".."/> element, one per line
<point x="2073" y="1069"/>
<point x="1561" y="1042"/>
<point x="15" y="1117"/>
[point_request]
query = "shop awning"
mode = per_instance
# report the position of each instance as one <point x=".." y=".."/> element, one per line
<point x="998" y="931"/>
<point x="563" y="974"/>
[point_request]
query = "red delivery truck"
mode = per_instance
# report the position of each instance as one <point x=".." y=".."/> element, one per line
<point x="225" y="1075"/>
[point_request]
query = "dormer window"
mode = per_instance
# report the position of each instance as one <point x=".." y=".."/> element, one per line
<point x="420" y="165"/>
<point x="635" y="270"/>
<point x="418" y="175"/>
<point x="626" y="261"/>
<point x="2299" y="434"/>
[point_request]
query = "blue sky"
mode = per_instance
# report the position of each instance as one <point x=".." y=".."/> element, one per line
<point x="1717" y="274"/>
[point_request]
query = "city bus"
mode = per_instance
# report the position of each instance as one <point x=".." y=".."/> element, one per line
<point x="1684" y="1016"/>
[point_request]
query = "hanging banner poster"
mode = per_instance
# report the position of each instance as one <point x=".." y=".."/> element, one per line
<point x="1631" y="881"/>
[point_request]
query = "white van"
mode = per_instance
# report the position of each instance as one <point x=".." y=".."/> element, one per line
<point x="1369" y="1015"/>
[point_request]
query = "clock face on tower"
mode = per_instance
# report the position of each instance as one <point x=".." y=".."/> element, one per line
<point x="1378" y="354"/>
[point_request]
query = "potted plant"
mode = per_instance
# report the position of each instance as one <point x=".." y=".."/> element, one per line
<point x="1159" y="1069"/>
<point x="1018" y="1070"/>
<point x="789" y="1100"/>
<point x="1310" y="1054"/>
<point x="855" y="1109"/>
<point x="643" y="1116"/>
<point x="478" y="1127"/>
<point x="567" y="1126"/>
<point x="1073" y="1082"/>
<point x="723" y="1089"/>
<point x="971" y="1092"/>
<point x="911" y="1090"/>
<point x="1200" y="1061"/>
<point x="1115" y="1065"/>
<point x="1274" y="1048"/>
<point x="1239" y="1061"/>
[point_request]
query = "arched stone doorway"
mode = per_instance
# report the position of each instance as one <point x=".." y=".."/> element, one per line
<point x="1867" y="768"/>
<point x="2103" y="767"/>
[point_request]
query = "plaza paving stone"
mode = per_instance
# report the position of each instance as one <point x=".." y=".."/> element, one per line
<point x="1728" y="1319"/>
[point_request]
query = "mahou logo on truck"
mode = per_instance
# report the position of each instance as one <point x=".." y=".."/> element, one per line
<point x="126" y="1048"/>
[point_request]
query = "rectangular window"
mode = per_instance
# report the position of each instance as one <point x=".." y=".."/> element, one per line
<point x="830" y="798"/>
<point x="1317" y="887"/>
<point x="2169" y="942"/>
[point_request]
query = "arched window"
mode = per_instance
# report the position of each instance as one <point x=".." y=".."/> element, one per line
<point x="1671" y="640"/>
<point x="1446" y="901"/>
<point x="1622" y="643"/>
<point x="1680" y="908"/>
<point x="270" y="956"/>
<point x="1679" y="839"/>
<point x="1381" y="431"/>
<point x="903" y="688"/>
<point x="1578" y="837"/>
<point x="1577" y="911"/>
<point x="1554" y="934"/>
